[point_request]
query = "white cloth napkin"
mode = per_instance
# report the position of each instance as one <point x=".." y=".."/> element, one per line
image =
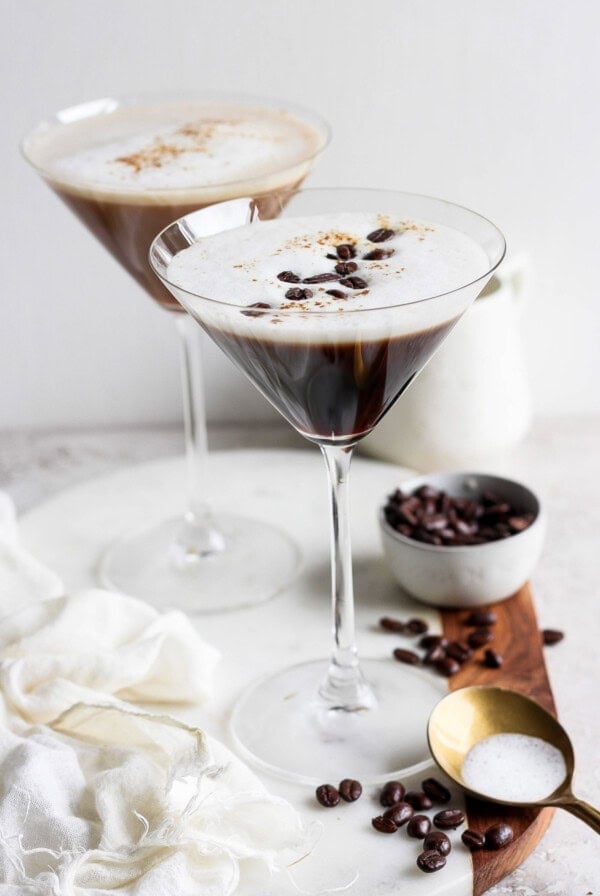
<point x="97" y="795"/>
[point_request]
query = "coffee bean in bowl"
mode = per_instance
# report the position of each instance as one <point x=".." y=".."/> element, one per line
<point x="461" y="539"/>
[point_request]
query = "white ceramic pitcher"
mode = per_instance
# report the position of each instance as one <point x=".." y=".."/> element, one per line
<point x="472" y="402"/>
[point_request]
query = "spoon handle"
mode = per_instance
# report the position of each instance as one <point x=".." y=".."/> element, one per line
<point x="582" y="810"/>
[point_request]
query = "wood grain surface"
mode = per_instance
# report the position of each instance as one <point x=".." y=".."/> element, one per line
<point x="517" y="638"/>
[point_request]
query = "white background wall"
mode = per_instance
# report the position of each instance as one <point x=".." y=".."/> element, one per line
<point x="492" y="103"/>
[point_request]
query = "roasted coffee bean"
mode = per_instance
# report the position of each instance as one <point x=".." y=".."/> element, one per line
<point x="480" y="636"/>
<point x="399" y="813"/>
<point x="391" y="793"/>
<point x="472" y="840"/>
<point x="384" y="825"/>
<point x="434" y="655"/>
<point x="345" y="251"/>
<point x="346" y="267"/>
<point x="256" y="305"/>
<point x="336" y="293"/>
<point x="381" y="235"/>
<point x="288" y="277"/>
<point x="481" y="618"/>
<point x="519" y="523"/>
<point x="429" y="641"/>
<point x="430" y="861"/>
<point x="492" y="659"/>
<point x="447" y="666"/>
<point x="392" y="625"/>
<point x="459" y="652"/>
<point x="551" y="636"/>
<point x="354" y="282"/>
<point x="416" y="626"/>
<point x="331" y="256"/>
<point x="498" y="836"/>
<point x="448" y="818"/>
<point x="418" y="800"/>
<point x="297" y="294"/>
<point x="418" y="827"/>
<point x="350" y="790"/>
<point x="327" y="795"/>
<point x="321" y="278"/>
<point x="438" y="841"/>
<point x="378" y="254"/>
<point x="406" y="656"/>
<point x="435" y="790"/>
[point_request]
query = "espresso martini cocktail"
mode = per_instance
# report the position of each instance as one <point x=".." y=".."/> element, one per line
<point x="127" y="168"/>
<point x="331" y="309"/>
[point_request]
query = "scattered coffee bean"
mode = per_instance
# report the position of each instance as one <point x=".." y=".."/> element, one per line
<point x="473" y="840"/>
<point x="288" y="277"/>
<point x="447" y="666"/>
<point x="327" y="795"/>
<point x="429" y="641"/>
<point x="381" y="235"/>
<point x="384" y="825"/>
<point x="438" y="841"/>
<point x="406" y="656"/>
<point x="336" y="293"/>
<point x="498" y="836"/>
<point x="430" y="861"/>
<point x="481" y="618"/>
<point x="418" y="800"/>
<point x="346" y="267"/>
<point x="256" y="305"/>
<point x="378" y="254"/>
<point x="416" y="626"/>
<point x="435" y="790"/>
<point x="391" y="793"/>
<point x="350" y="790"/>
<point x="418" y="827"/>
<point x="392" y="625"/>
<point x="448" y="818"/>
<point x="345" y="251"/>
<point x="492" y="659"/>
<point x="480" y="636"/>
<point x="399" y="813"/>
<point x="551" y="636"/>
<point x="354" y="283"/>
<point x="321" y="278"/>
<point x="434" y="655"/>
<point x="297" y="294"/>
<point x="459" y="652"/>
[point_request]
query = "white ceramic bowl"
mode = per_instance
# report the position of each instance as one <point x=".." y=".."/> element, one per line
<point x="466" y="575"/>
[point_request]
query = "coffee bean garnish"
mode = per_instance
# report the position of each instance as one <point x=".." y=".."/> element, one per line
<point x="459" y="652"/>
<point x="354" y="283"/>
<point x="416" y="626"/>
<point x="492" y="660"/>
<point x="345" y="251"/>
<point x="336" y="293"/>
<point x="418" y="800"/>
<point x="480" y="636"/>
<point x="551" y="636"/>
<point x="406" y="656"/>
<point x="439" y="842"/>
<point x="391" y="793"/>
<point x="321" y="278"/>
<point x="256" y="305"/>
<point x="430" y="861"/>
<point x="350" y="790"/>
<point x="447" y="667"/>
<point x="392" y="625"/>
<point x="435" y="790"/>
<point x="399" y="813"/>
<point x="384" y="825"/>
<point x="481" y="618"/>
<point x="448" y="818"/>
<point x="429" y="641"/>
<point x="434" y="655"/>
<point x="327" y="795"/>
<point x="298" y="295"/>
<point x="472" y="840"/>
<point x="378" y="254"/>
<point x="498" y="836"/>
<point x="346" y="267"/>
<point x="381" y="235"/>
<point x="288" y="277"/>
<point x="418" y="827"/>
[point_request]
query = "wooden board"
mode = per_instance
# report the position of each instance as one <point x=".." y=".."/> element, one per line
<point x="517" y="638"/>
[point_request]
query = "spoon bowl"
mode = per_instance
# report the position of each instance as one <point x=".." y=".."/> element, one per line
<point x="466" y="717"/>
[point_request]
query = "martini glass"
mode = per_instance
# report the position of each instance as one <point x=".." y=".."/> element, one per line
<point x="333" y="375"/>
<point x="202" y="561"/>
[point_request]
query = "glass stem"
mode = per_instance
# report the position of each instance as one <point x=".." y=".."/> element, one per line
<point x="197" y="535"/>
<point x="344" y="687"/>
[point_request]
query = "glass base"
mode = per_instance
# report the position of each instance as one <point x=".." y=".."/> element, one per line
<point x="282" y="726"/>
<point x="245" y="562"/>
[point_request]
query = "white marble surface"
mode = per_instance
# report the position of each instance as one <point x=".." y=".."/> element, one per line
<point x="560" y="460"/>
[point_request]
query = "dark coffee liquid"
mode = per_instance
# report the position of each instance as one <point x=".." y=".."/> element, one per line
<point x="332" y="390"/>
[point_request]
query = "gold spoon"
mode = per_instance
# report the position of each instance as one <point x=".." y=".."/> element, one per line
<point x="467" y="716"/>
